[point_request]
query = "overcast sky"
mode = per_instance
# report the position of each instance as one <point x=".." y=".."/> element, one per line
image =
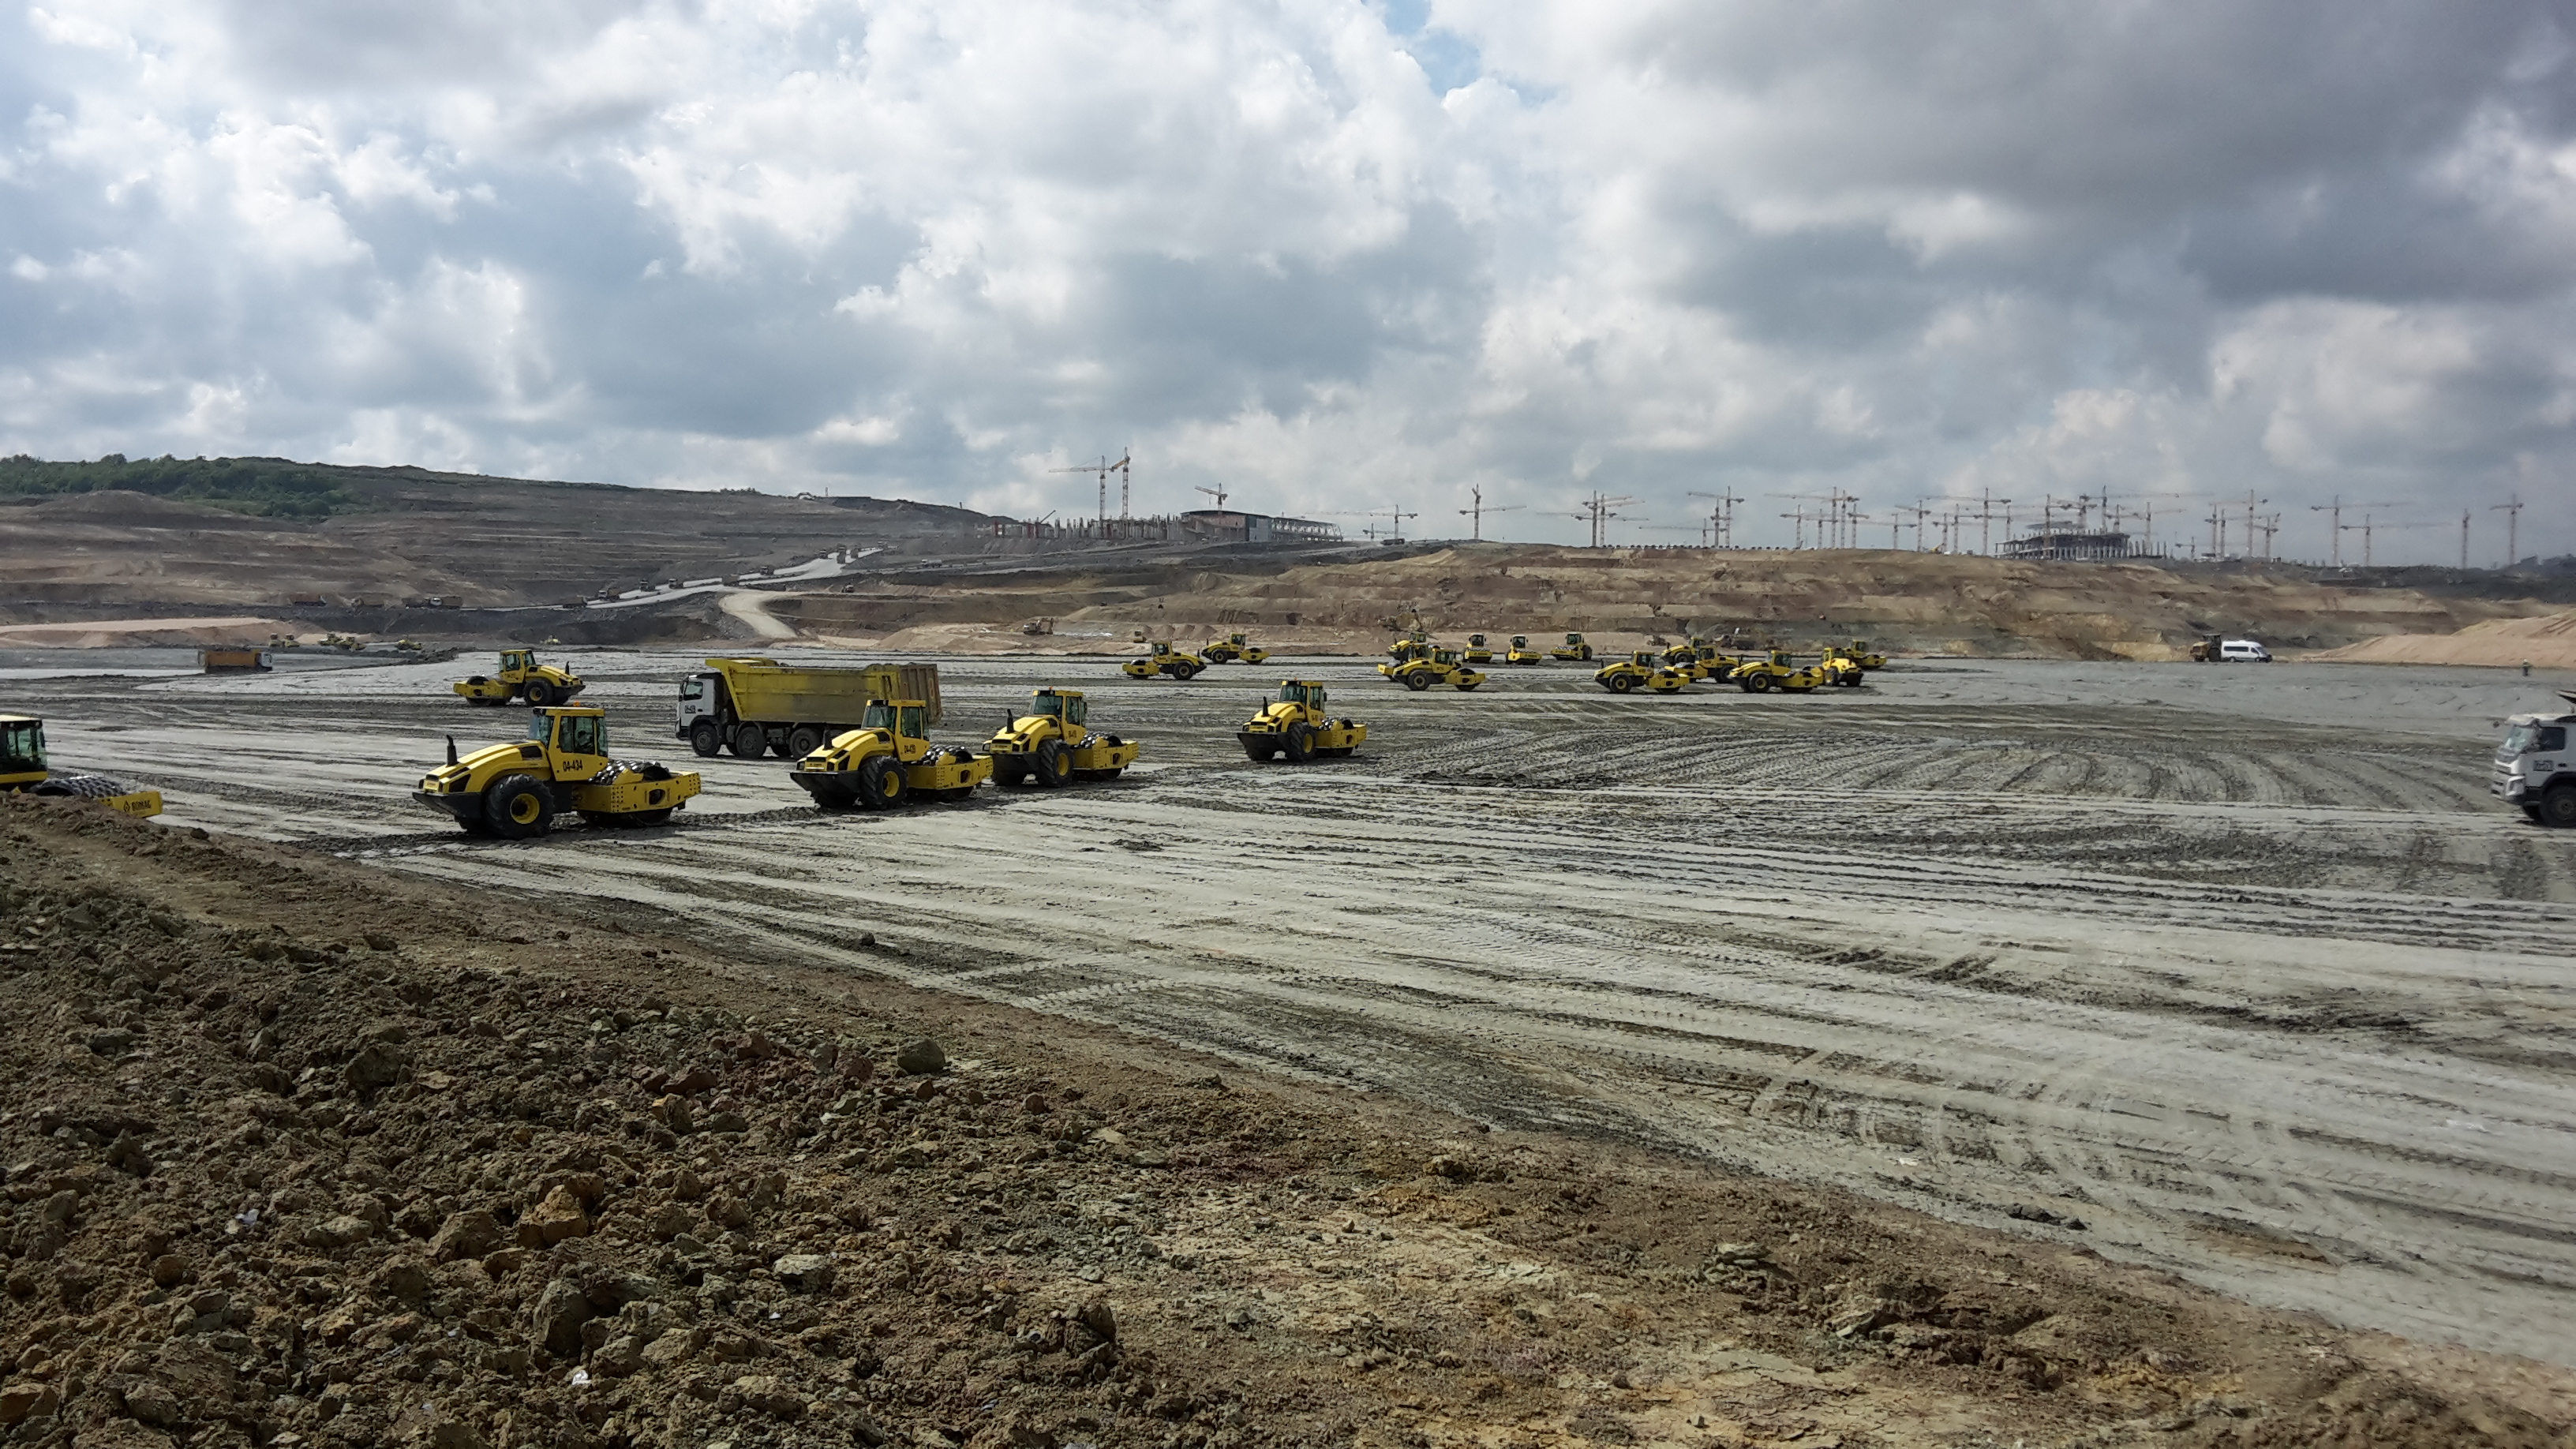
<point x="1330" y="256"/>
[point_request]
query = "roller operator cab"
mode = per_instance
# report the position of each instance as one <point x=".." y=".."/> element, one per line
<point x="888" y="760"/>
<point x="23" y="768"/>
<point x="520" y="675"/>
<point x="1053" y="744"/>
<point x="563" y="766"/>
<point x="2533" y="768"/>
<point x="1295" y="724"/>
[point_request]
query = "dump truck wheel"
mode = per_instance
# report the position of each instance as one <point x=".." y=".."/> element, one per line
<point x="1301" y="743"/>
<point x="803" y="740"/>
<point x="1054" y="764"/>
<point x="747" y="741"/>
<point x="704" y="738"/>
<point x="516" y="807"/>
<point x="2558" y="807"/>
<point x="880" y="782"/>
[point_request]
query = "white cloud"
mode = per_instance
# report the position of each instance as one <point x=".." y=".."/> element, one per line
<point x="1646" y="245"/>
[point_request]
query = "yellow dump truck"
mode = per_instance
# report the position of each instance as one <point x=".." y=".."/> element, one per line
<point x="23" y="768"/>
<point x="753" y="706"/>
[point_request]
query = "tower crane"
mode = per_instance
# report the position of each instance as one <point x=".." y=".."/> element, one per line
<point x="1476" y="514"/>
<point x="1125" y="470"/>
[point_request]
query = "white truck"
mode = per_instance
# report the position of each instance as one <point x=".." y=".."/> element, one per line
<point x="2533" y="767"/>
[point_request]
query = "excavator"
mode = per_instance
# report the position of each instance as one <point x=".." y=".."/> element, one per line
<point x="1179" y="663"/>
<point x="1296" y="725"/>
<point x="1641" y="670"/>
<point x="516" y="791"/>
<point x="1052" y="744"/>
<point x="1233" y="650"/>
<point x="1522" y="653"/>
<point x="888" y="760"/>
<point x="520" y="677"/>
<point x="23" y="768"/>
<point x="1575" y="649"/>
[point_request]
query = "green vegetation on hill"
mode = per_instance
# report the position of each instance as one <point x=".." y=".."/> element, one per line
<point x="260" y="487"/>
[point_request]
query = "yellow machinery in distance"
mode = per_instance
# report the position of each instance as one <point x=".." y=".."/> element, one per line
<point x="1867" y="658"/>
<point x="1840" y="667"/>
<point x="1053" y="744"/>
<point x="1179" y="663"/>
<point x="1296" y="725"/>
<point x="1476" y="651"/>
<point x="23" y="768"/>
<point x="520" y="676"/>
<point x="1522" y="653"/>
<point x="1431" y="665"/>
<point x="516" y="790"/>
<point x="1641" y="670"/>
<point x="1233" y="650"/>
<point x="1774" y="671"/>
<point x="1575" y="649"/>
<point x="889" y="759"/>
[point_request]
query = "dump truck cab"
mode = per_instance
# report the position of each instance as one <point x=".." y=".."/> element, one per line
<point x="1522" y="653"/>
<point x="1053" y="744"/>
<point x="1574" y="649"/>
<point x="520" y="675"/>
<point x="1643" y="669"/>
<point x="1178" y="663"/>
<point x="1296" y="724"/>
<point x="1774" y="670"/>
<point x="2534" y="768"/>
<point x="23" y="767"/>
<point x="562" y="766"/>
<point x="889" y="759"/>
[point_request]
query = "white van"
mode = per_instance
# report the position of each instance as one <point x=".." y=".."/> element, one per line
<point x="2242" y="651"/>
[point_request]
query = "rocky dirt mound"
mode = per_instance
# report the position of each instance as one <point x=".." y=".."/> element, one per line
<point x="299" y="1154"/>
<point x="2547" y="642"/>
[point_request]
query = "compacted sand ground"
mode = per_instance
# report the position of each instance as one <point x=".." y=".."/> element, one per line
<point x="2042" y="984"/>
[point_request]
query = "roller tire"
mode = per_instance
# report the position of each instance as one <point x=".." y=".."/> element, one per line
<point x="517" y="807"/>
<point x="804" y="740"/>
<point x="1417" y="681"/>
<point x="1010" y="770"/>
<point x="747" y="742"/>
<point x="1260" y="754"/>
<point x="1759" y="683"/>
<point x="539" y="693"/>
<point x="881" y="782"/>
<point x="1621" y="683"/>
<point x="2558" y="808"/>
<point x="1301" y="743"/>
<point x="1053" y="764"/>
<point x="705" y="740"/>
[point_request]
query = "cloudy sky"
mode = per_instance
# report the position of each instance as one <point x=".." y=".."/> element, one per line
<point x="1328" y="255"/>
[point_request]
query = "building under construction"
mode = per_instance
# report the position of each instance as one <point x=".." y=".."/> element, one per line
<point x="2075" y="547"/>
<point x="1226" y="525"/>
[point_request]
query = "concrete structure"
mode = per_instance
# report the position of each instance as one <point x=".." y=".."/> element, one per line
<point x="2078" y="547"/>
<point x="1232" y="526"/>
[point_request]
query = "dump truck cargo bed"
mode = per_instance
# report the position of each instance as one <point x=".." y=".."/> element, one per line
<point x="766" y="690"/>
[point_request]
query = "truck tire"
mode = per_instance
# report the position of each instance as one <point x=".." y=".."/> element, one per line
<point x="540" y="693"/>
<point x="747" y="741"/>
<point x="881" y="782"/>
<point x="1301" y="743"/>
<point x="705" y="739"/>
<point x="804" y="740"/>
<point x="1054" y="764"/>
<point x="2558" y="807"/>
<point x="517" y="807"/>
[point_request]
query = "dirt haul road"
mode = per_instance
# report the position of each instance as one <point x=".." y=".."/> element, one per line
<point x="2240" y="970"/>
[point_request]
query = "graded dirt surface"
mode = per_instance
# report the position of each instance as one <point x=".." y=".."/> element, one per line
<point x="303" y="1152"/>
<point x="2241" y="967"/>
<point x="2547" y="641"/>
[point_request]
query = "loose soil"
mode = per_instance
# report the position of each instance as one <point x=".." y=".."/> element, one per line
<point x="302" y="1152"/>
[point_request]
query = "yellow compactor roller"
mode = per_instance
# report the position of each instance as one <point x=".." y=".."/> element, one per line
<point x="1431" y="665"/>
<point x="888" y="760"/>
<point x="1575" y="650"/>
<point x="1296" y="725"/>
<point x="23" y="767"/>
<point x="1522" y="653"/>
<point x="520" y="676"/>
<point x="1179" y="663"/>
<point x="516" y="790"/>
<point x="1053" y="744"/>
<point x="1477" y="651"/>
<point x="1641" y="670"/>
<point x="1232" y="649"/>
<point x="1774" y="671"/>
